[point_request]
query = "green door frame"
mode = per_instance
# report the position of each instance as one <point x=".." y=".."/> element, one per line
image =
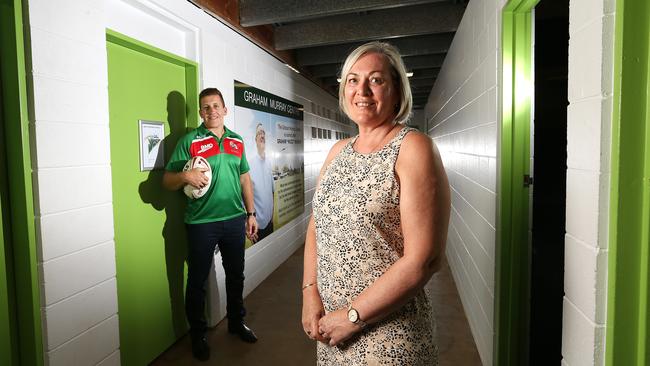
<point x="627" y="340"/>
<point x="191" y="67"/>
<point x="13" y="48"/>
<point x="512" y="272"/>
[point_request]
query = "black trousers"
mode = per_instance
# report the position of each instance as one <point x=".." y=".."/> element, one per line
<point x="263" y="233"/>
<point x="229" y="235"/>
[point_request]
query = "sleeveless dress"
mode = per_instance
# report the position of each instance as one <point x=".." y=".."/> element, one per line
<point x="358" y="237"/>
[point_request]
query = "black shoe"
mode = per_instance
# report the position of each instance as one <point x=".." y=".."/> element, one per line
<point x="245" y="333"/>
<point x="200" y="348"/>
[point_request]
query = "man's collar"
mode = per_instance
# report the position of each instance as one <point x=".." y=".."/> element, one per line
<point x="202" y="129"/>
<point x="205" y="132"/>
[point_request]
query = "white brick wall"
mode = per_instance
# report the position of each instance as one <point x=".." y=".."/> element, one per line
<point x="461" y="117"/>
<point x="74" y="221"/>
<point x="591" y="25"/>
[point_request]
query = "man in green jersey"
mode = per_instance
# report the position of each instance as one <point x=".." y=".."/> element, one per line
<point x="216" y="218"/>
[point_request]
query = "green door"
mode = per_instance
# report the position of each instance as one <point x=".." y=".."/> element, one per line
<point x="147" y="84"/>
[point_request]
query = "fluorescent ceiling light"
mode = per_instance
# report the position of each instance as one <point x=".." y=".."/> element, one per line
<point x="293" y="68"/>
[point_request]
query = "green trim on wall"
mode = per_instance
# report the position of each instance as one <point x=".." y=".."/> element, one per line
<point x="23" y="245"/>
<point x="512" y="276"/>
<point x="134" y="44"/>
<point x="629" y="216"/>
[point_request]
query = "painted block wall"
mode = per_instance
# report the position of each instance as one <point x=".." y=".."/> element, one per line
<point x="461" y="117"/>
<point x="71" y="159"/>
<point x="591" y="50"/>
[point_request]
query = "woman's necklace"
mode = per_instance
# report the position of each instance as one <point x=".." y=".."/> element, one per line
<point x="379" y="143"/>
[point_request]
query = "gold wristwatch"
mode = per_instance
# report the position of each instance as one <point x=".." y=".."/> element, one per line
<point x="353" y="316"/>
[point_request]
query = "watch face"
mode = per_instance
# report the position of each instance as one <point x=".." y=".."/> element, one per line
<point x="353" y="316"/>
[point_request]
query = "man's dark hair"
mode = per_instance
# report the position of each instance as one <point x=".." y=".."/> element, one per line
<point x="211" y="91"/>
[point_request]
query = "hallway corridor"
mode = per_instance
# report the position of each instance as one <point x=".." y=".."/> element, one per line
<point x="274" y="309"/>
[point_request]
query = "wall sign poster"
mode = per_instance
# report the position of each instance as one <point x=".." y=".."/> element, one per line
<point x="272" y="129"/>
<point x="151" y="150"/>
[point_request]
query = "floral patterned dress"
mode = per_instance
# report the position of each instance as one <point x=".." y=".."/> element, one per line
<point x="358" y="237"/>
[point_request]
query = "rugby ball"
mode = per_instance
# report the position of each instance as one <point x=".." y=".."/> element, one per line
<point x="197" y="162"/>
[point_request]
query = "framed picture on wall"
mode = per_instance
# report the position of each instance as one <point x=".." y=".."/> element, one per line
<point x="152" y="152"/>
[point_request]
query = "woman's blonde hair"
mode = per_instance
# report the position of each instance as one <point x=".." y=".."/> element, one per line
<point x="397" y="71"/>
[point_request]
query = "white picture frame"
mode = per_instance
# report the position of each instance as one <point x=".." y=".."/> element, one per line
<point x="152" y="151"/>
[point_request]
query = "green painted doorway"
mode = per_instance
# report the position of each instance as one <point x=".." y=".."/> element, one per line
<point x="512" y="274"/>
<point x="21" y="338"/>
<point x="628" y="274"/>
<point x="146" y="83"/>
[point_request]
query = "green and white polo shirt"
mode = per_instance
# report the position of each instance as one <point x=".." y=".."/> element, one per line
<point x="227" y="159"/>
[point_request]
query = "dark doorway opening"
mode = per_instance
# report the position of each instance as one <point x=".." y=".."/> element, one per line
<point x="549" y="189"/>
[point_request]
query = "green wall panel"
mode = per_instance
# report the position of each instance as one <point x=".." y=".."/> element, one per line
<point x="150" y="246"/>
<point x="629" y="234"/>
<point x="21" y="340"/>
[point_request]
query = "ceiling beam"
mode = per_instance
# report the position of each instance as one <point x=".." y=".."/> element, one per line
<point x="227" y="12"/>
<point x="320" y="71"/>
<point x="330" y="81"/>
<point x="417" y="83"/>
<point x="407" y="46"/>
<point x="348" y="28"/>
<point x="420" y="89"/>
<point x="412" y="64"/>
<point x="257" y="12"/>
<point x="421" y="94"/>
<point x="421" y="100"/>
<point x="425" y="73"/>
<point x="423" y="62"/>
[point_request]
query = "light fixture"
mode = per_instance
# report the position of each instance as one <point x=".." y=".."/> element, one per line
<point x="292" y="68"/>
<point x="338" y="80"/>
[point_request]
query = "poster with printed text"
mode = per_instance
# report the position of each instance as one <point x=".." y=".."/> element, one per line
<point x="272" y="129"/>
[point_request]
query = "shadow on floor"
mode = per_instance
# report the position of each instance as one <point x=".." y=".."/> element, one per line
<point x="274" y="309"/>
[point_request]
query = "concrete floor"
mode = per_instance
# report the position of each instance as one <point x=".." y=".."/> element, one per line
<point x="274" y="311"/>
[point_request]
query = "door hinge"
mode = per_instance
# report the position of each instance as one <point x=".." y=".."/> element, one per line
<point x="528" y="180"/>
